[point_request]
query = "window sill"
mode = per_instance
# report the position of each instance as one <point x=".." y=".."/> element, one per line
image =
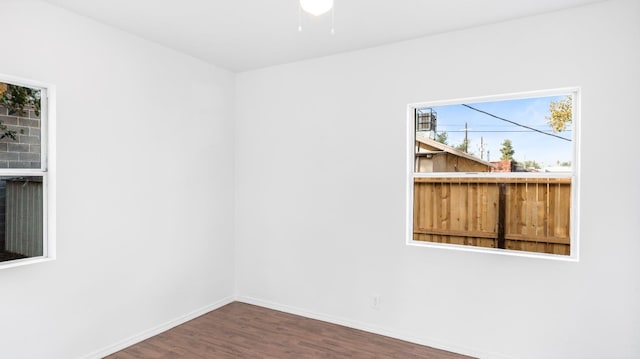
<point x="506" y="252"/>
<point x="25" y="261"/>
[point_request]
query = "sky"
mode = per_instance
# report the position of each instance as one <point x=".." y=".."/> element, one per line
<point x="482" y="128"/>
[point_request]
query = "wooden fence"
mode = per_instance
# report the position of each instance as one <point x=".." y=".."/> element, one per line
<point x="528" y="214"/>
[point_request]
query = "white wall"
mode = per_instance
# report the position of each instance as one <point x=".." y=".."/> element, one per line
<point x="320" y="190"/>
<point x="145" y="219"/>
<point x="145" y="187"/>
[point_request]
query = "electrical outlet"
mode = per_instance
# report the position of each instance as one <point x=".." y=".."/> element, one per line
<point x="375" y="301"/>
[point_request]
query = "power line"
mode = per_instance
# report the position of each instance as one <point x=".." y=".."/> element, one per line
<point x="481" y="131"/>
<point x="515" y="123"/>
<point x="493" y="126"/>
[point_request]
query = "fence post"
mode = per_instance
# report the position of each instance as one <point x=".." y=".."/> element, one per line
<point x="502" y="210"/>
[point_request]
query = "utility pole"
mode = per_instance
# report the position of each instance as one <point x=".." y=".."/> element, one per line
<point x="466" y="140"/>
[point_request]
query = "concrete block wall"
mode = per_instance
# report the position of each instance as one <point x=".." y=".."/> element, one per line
<point x="24" y="151"/>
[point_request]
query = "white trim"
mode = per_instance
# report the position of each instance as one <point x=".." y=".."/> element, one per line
<point x="574" y="174"/>
<point x="50" y="169"/>
<point x="464" y="248"/>
<point x="146" y="334"/>
<point x="24" y="261"/>
<point x="575" y="180"/>
<point x="498" y="97"/>
<point x="21" y="172"/>
<point x="44" y="128"/>
<point x="45" y="217"/>
<point x="410" y="168"/>
<point x="408" y="337"/>
<point x="24" y="82"/>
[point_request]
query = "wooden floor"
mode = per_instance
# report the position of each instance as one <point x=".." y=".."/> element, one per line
<point x="240" y="330"/>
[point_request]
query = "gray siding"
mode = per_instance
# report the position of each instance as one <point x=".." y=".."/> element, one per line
<point x="24" y="221"/>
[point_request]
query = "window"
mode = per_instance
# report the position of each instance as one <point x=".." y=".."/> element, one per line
<point x="495" y="174"/>
<point x="25" y="176"/>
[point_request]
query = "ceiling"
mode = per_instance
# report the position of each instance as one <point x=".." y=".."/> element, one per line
<point x="241" y="35"/>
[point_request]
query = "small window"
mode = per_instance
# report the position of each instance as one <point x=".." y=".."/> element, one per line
<point x="24" y="173"/>
<point x="495" y="174"/>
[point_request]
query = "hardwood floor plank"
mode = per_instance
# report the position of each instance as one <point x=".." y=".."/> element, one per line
<point x="240" y="330"/>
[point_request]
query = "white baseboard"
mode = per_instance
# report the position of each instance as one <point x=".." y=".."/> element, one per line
<point x="101" y="353"/>
<point x="369" y="328"/>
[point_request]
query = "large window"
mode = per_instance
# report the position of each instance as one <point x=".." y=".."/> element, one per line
<point x="495" y="174"/>
<point x="25" y="179"/>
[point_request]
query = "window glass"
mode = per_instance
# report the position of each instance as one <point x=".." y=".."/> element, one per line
<point x="495" y="174"/>
<point x="520" y="135"/>
<point x="21" y="217"/>
<point x="23" y="173"/>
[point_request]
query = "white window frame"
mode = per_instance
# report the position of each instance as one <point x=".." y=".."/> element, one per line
<point x="574" y="175"/>
<point x="46" y="171"/>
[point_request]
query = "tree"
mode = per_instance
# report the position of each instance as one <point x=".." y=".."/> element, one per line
<point x="464" y="146"/>
<point x="532" y="164"/>
<point x="560" y="114"/>
<point x="442" y="137"/>
<point x="16" y="98"/>
<point x="507" y="150"/>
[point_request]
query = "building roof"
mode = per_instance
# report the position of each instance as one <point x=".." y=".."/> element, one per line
<point x="444" y="148"/>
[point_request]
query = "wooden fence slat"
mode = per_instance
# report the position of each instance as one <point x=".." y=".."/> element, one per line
<point x="449" y="232"/>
